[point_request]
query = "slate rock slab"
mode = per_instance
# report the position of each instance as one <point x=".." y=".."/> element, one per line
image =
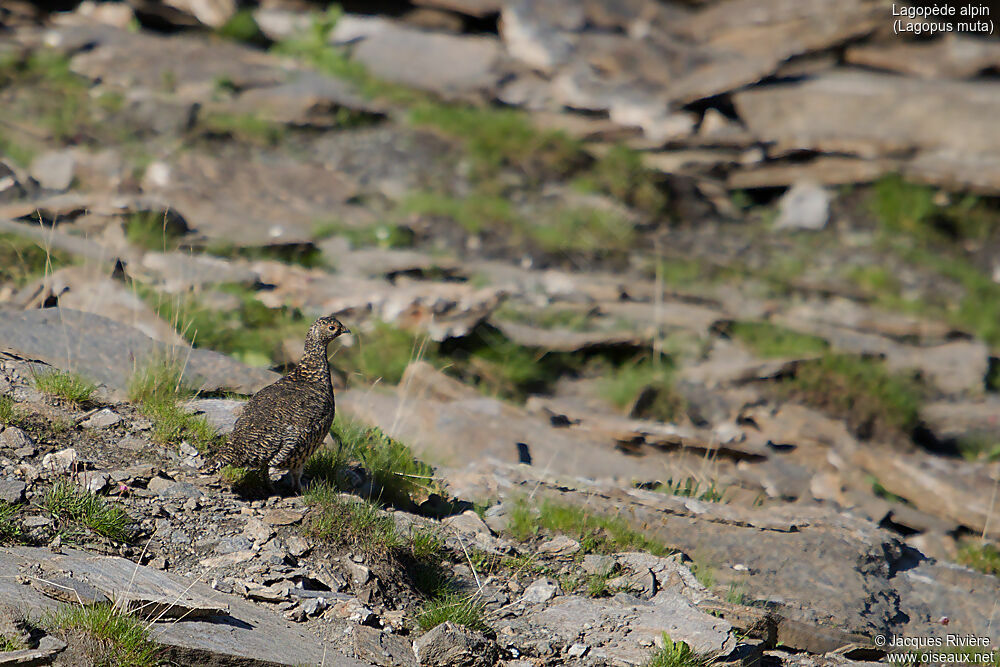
<point x="244" y="634"/>
<point x="109" y="352"/>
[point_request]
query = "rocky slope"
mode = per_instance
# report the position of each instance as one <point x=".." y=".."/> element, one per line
<point x="660" y="392"/>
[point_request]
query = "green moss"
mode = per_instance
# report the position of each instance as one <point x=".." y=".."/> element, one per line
<point x="594" y="532"/>
<point x="301" y="254"/>
<point x="861" y="390"/>
<point x="8" y="411"/>
<point x="902" y="207"/>
<point x="879" y="490"/>
<point x="62" y="384"/>
<point x="121" y="639"/>
<point x="75" y="506"/>
<point x="547" y="318"/>
<point x="770" y="340"/>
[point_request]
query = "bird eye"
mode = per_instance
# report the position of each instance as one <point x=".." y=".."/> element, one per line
<point x="332" y="327"/>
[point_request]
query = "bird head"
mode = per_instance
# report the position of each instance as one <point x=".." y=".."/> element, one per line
<point x="325" y="329"/>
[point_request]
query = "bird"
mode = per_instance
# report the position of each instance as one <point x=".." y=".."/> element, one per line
<point x="285" y="422"/>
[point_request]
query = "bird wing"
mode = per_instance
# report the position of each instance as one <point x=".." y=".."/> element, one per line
<point x="275" y="421"/>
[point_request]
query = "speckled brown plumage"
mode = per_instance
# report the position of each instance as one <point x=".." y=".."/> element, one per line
<point x="285" y="422"/>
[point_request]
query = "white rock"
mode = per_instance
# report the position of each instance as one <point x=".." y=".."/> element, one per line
<point x="806" y="205"/>
<point x="54" y="169"/>
<point x="540" y="590"/>
<point x="60" y="461"/>
<point x="101" y="419"/>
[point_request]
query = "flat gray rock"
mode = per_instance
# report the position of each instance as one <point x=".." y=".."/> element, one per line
<point x="239" y="632"/>
<point x="243" y="203"/>
<point x="110" y="353"/>
<point x="444" y="64"/>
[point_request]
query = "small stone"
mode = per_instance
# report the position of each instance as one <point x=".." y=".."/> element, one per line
<point x="297" y="546"/>
<point x="451" y="645"/>
<point x="598" y="564"/>
<point x="805" y="205"/>
<point x="224" y="560"/>
<point x="53" y="169"/>
<point x="14" y="438"/>
<point x="36" y="521"/>
<point x="314" y="606"/>
<point x="228" y="545"/>
<point x="359" y="573"/>
<point x="157" y="563"/>
<point x="192" y="504"/>
<point x="560" y="545"/>
<point x="282" y="517"/>
<point x="296" y="615"/>
<point x="258" y="531"/>
<point x="101" y="419"/>
<point x="12" y="490"/>
<point x="577" y="650"/>
<point x="61" y="461"/>
<point x="188" y="450"/>
<point x="468" y="523"/>
<point x="94" y="481"/>
<point x="25" y="452"/>
<point x="352" y="610"/>
<point x="540" y="590"/>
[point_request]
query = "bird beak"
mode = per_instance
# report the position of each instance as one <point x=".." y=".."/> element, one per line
<point x="346" y="331"/>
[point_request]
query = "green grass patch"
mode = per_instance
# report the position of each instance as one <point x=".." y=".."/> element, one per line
<point x="301" y="254"/>
<point x="23" y="259"/>
<point x="313" y="48"/>
<point x="157" y="390"/>
<point x="874" y="401"/>
<point x="72" y="505"/>
<point x="382" y="235"/>
<point x="879" y="490"/>
<point x="355" y="524"/>
<point x="243" y="127"/>
<point x="692" y="488"/>
<point x="153" y="230"/>
<point x="69" y="386"/>
<point x="547" y="318"/>
<point x="10" y="523"/>
<point x="252" y="332"/>
<point x="595" y="533"/>
<point x="458" y="608"/>
<point x="496" y="138"/>
<point x="975" y="447"/>
<point x="476" y="213"/>
<point x="118" y="639"/>
<point x="383" y="353"/>
<point x="771" y="340"/>
<point x="621" y="174"/>
<point x="396" y="474"/>
<point x="8" y="644"/>
<point x="9" y="415"/>
<point x="676" y="654"/>
<point x="902" y="207"/>
<point x="591" y="231"/>
<point x="500" y="367"/>
<point x="241" y="27"/>
<point x="981" y="556"/>
<point x="646" y="385"/>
